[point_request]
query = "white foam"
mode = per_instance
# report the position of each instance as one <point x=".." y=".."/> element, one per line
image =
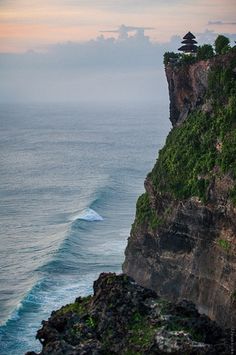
<point x="88" y="214"/>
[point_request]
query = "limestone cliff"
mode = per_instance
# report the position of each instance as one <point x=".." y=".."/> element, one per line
<point x="187" y="88"/>
<point x="188" y="85"/>
<point x="183" y="240"/>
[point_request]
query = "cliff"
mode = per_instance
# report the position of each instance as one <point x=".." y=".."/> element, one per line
<point x="187" y="88"/>
<point x="182" y="243"/>
<point x="125" y="318"/>
<point x="183" y="240"/>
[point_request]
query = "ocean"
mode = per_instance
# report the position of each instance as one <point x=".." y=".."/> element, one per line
<point x="70" y="175"/>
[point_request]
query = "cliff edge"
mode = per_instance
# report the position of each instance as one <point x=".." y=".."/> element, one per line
<point x="183" y="240"/>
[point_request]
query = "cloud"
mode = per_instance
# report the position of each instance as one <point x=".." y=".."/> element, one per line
<point x="220" y="22"/>
<point x="100" y="69"/>
<point x="26" y="24"/>
<point x="123" y="68"/>
<point x="209" y="36"/>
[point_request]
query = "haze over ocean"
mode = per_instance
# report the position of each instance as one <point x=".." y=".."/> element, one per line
<point x="70" y="177"/>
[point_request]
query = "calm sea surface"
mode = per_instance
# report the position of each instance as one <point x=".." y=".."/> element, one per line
<point x="70" y="176"/>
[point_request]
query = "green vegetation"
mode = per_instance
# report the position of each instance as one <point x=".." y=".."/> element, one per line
<point x="222" y="44"/>
<point x="170" y="56"/>
<point x="91" y="323"/>
<point x="233" y="296"/>
<point x="141" y="332"/>
<point x="79" y="307"/>
<point x="187" y="59"/>
<point x="191" y="156"/>
<point x="143" y="208"/>
<point x="205" y="52"/>
<point x="145" y="213"/>
<point x="222" y="85"/>
<point x="224" y="244"/>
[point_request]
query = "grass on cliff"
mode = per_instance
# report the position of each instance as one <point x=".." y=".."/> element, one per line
<point x="145" y="211"/>
<point x="145" y="214"/>
<point x="79" y="307"/>
<point x="203" y="146"/>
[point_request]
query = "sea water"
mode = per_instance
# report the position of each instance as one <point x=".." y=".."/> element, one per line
<point x="70" y="175"/>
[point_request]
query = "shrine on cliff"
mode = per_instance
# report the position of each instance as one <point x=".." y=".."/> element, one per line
<point x="189" y="44"/>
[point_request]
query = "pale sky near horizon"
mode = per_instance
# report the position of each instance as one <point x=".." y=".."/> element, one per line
<point x="33" y="25"/>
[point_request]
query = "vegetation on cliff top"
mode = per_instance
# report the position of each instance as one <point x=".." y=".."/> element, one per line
<point x="204" y="52"/>
<point x="204" y="145"/>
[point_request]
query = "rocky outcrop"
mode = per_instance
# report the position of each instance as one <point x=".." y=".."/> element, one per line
<point x="125" y="318"/>
<point x="185" y="246"/>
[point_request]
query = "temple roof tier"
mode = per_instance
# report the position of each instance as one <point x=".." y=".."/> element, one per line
<point x="187" y="41"/>
<point x="189" y="35"/>
<point x="188" y="48"/>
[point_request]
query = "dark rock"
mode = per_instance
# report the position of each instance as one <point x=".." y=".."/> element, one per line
<point x="125" y="318"/>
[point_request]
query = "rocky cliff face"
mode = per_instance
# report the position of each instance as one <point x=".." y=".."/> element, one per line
<point x="187" y="88"/>
<point x="183" y="240"/>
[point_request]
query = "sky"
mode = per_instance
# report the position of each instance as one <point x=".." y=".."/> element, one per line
<point x="71" y="50"/>
<point x="31" y="24"/>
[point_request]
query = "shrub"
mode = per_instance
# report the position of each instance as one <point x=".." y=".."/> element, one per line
<point x="224" y="244"/>
<point x="168" y="56"/>
<point x="222" y="44"/>
<point x="205" y="52"/>
<point x="187" y="59"/>
<point x="145" y="213"/>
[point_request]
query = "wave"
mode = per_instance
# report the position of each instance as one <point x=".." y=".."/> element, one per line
<point x="69" y="270"/>
<point x="88" y="214"/>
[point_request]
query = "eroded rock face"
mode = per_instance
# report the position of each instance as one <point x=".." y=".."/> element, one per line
<point x="125" y="318"/>
<point x="186" y="256"/>
<point x="191" y="251"/>
<point x="188" y="86"/>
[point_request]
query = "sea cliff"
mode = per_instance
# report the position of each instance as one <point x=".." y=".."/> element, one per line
<point x="183" y="240"/>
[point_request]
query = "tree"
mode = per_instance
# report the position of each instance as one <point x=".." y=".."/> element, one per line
<point x="170" y="56"/>
<point x="187" y="59"/>
<point x="222" y="44"/>
<point x="205" y="52"/>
